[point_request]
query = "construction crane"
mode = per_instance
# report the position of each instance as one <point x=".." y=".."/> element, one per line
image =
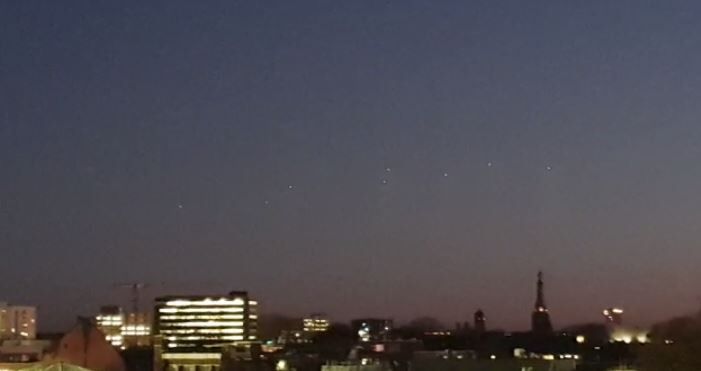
<point x="135" y="288"/>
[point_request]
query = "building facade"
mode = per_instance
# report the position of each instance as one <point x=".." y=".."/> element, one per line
<point x="17" y="322"/>
<point x="136" y="330"/>
<point x="124" y="330"/>
<point x="317" y="322"/>
<point x="191" y="331"/>
<point x="23" y="351"/>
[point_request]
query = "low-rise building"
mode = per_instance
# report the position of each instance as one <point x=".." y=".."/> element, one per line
<point x="22" y="351"/>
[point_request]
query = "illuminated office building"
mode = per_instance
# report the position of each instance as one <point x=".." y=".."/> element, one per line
<point x="317" y="322"/>
<point x="191" y="331"/>
<point x="110" y="322"/>
<point x="17" y="322"/>
<point x="136" y="330"/>
<point x="124" y="330"/>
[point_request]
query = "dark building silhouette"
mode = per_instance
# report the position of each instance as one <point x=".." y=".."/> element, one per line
<point x="480" y="321"/>
<point x="540" y="320"/>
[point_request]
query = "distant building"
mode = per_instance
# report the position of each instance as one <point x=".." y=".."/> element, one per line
<point x="110" y="322"/>
<point x="480" y="321"/>
<point x="317" y="322"/>
<point x="17" y="322"/>
<point x="124" y="330"/>
<point x="442" y="362"/>
<point x="288" y="337"/>
<point x="540" y="319"/>
<point x="23" y="351"/>
<point x="136" y="330"/>
<point x="244" y="356"/>
<point x="618" y="333"/>
<point x="365" y="365"/>
<point x="191" y="331"/>
<point x="613" y="316"/>
<point x="629" y="335"/>
<point x="372" y="329"/>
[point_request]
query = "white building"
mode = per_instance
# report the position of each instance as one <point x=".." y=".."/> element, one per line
<point x="191" y="331"/>
<point x="17" y="322"/>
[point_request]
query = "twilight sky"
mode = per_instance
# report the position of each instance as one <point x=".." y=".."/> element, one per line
<point x="387" y="158"/>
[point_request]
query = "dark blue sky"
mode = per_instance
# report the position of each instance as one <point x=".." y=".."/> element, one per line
<point x="157" y="141"/>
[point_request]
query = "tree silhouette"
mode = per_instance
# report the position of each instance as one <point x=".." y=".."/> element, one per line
<point x="417" y="327"/>
<point x="675" y="346"/>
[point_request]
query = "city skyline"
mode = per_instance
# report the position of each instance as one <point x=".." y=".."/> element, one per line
<point x="139" y="307"/>
<point x="356" y="158"/>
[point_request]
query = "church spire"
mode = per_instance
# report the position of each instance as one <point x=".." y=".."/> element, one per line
<point x="540" y="296"/>
<point x="540" y="320"/>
